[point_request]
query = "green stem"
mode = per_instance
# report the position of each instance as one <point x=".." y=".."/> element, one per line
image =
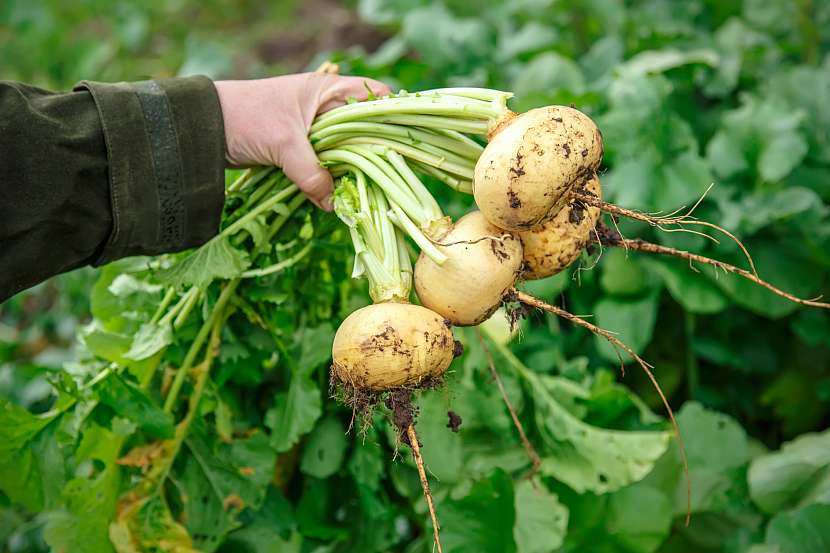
<point x="448" y="106"/>
<point x="394" y="191"/>
<point x="415" y="185"/>
<point x="278" y="223"/>
<point x="251" y="177"/>
<point x="424" y="153"/>
<point x="281" y="266"/>
<point x="520" y="368"/>
<point x="240" y="181"/>
<point x="264" y="206"/>
<point x="477" y="93"/>
<point x="457" y="143"/>
<point x="165" y="302"/>
<point x="405" y="224"/>
<point x="196" y="345"/>
<point x="192" y="299"/>
<point x="170" y="315"/>
<point x="459" y="185"/>
<point x="387" y="232"/>
<point x="434" y="122"/>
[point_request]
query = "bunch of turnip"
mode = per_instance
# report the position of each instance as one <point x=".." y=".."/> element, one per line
<point x="539" y="200"/>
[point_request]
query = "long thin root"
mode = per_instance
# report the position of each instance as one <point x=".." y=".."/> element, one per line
<point x="531" y="451"/>
<point x="532" y="301"/>
<point x="419" y="462"/>
<point x="608" y="237"/>
<point x="662" y="221"/>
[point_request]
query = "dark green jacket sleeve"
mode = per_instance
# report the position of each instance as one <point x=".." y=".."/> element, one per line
<point x="106" y="171"/>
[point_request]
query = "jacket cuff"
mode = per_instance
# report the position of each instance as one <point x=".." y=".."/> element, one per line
<point x="166" y="149"/>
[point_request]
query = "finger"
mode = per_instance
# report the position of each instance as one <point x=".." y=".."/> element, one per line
<point x="342" y="89"/>
<point x="301" y="165"/>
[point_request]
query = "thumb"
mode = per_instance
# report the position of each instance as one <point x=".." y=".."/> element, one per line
<point x="301" y="165"/>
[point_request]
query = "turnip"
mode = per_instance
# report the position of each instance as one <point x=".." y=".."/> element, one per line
<point x="482" y="263"/>
<point x="533" y="160"/>
<point x="389" y="345"/>
<point x="390" y="348"/>
<point x="555" y="244"/>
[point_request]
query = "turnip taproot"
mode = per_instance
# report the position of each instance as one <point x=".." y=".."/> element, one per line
<point x="482" y="263"/>
<point x="555" y="244"/>
<point x="531" y="163"/>
<point x="389" y="345"/>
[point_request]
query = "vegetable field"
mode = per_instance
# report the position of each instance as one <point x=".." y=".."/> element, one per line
<point x="251" y="396"/>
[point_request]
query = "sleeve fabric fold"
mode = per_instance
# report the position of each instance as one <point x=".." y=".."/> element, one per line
<point x="106" y="171"/>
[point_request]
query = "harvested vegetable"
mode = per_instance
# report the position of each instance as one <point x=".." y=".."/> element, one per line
<point x="553" y="245"/>
<point x="532" y="162"/>
<point x="482" y="263"/>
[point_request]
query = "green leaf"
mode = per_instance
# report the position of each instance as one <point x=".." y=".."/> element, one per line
<point x="442" y="450"/>
<point x="632" y="321"/>
<point x="794" y="476"/>
<point x="215" y="259"/>
<point x="691" y="289"/>
<point x="106" y="344"/>
<point x="788" y="269"/>
<point x="764" y="134"/>
<point x="367" y="463"/>
<point x="586" y="457"/>
<point x="725" y="155"/>
<point x="806" y="530"/>
<point x="438" y="35"/>
<point x="717" y="474"/>
<point x="685" y="178"/>
<point x="150" y="339"/>
<point x="271" y="530"/>
<point x="658" y="61"/>
<point x="88" y="502"/>
<point x="314" y="347"/>
<point x="219" y="480"/>
<point x="623" y="274"/>
<point x="639" y="518"/>
<point x="324" y="450"/>
<point x="294" y="413"/>
<point x="120" y="299"/>
<point x="130" y="401"/>
<point x="549" y="72"/>
<point x="530" y="37"/>
<point x="781" y="155"/>
<point x="541" y="521"/>
<point x="31" y="466"/>
<point x="481" y="521"/>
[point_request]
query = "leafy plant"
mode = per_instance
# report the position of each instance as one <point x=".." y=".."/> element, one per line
<point x="687" y="94"/>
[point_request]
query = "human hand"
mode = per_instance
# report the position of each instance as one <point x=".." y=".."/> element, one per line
<point x="267" y="123"/>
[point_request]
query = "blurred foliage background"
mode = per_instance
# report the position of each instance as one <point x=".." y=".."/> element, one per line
<point x="731" y="92"/>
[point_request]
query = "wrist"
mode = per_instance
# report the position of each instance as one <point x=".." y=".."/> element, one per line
<point x="228" y="93"/>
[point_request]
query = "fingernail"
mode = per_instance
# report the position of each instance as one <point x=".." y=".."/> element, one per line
<point x="327" y="204"/>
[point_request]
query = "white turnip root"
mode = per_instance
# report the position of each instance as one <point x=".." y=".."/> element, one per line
<point x="532" y="162"/>
<point x="390" y="345"/>
<point x="552" y="246"/>
<point x="483" y="262"/>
